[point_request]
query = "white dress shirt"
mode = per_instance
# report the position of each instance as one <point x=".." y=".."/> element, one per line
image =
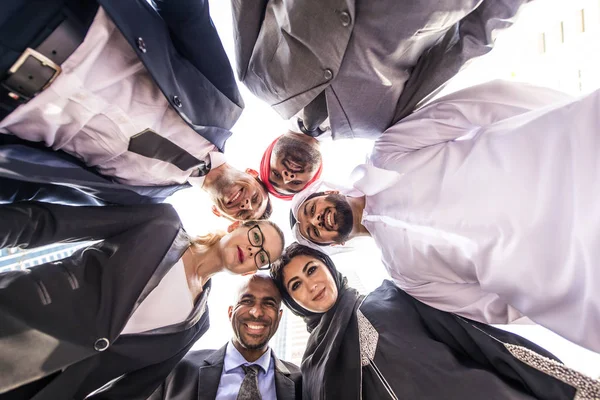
<point x="233" y="375"/>
<point x="490" y="210"/>
<point x="102" y="98"/>
<point x="170" y="303"/>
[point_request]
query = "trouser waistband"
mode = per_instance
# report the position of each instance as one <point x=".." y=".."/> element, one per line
<point x="36" y="68"/>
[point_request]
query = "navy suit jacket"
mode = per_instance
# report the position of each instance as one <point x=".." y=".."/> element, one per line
<point x="181" y="51"/>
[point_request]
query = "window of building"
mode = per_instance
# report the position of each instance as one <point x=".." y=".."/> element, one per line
<point x="581" y="20"/>
<point x="542" y="43"/>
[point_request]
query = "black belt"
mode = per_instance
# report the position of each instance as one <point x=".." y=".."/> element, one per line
<point x="37" y="68"/>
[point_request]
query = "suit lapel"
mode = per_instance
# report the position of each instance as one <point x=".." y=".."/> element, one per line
<point x="284" y="386"/>
<point x="209" y="375"/>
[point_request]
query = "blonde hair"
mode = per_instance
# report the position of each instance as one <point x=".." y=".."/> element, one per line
<point x="208" y="240"/>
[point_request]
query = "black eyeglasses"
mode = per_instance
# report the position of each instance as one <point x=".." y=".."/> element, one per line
<point x="257" y="239"/>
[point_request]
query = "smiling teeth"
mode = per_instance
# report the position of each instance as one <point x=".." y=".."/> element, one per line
<point x="329" y="219"/>
<point x="255" y="326"/>
<point x="234" y="198"/>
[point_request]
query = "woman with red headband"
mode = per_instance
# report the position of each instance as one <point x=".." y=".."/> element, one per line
<point x="291" y="163"/>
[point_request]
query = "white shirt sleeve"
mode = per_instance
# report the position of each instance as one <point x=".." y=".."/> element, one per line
<point x="462" y="113"/>
<point x="466" y="299"/>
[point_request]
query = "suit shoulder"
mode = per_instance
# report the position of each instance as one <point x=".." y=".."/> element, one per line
<point x="293" y="368"/>
<point x="196" y="358"/>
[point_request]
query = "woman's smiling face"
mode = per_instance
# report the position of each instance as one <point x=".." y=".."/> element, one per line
<point x="310" y="283"/>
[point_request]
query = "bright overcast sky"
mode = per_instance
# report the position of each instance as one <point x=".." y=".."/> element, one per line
<point x="516" y="56"/>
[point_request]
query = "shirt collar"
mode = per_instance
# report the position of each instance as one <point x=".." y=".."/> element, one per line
<point x="234" y="359"/>
<point x="216" y="159"/>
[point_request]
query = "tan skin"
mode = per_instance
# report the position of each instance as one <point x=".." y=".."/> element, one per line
<point x="286" y="175"/>
<point x="310" y="284"/>
<point x="317" y="219"/>
<point x="234" y="253"/>
<point x="237" y="195"/>
<point x="255" y="317"/>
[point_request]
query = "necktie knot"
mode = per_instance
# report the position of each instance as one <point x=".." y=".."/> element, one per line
<point x="203" y="168"/>
<point x="251" y="369"/>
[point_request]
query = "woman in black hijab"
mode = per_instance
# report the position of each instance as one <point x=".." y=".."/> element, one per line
<point x="388" y="345"/>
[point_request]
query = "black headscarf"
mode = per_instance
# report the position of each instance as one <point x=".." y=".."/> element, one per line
<point x="331" y="367"/>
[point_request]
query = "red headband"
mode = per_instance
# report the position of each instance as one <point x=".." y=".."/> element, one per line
<point x="265" y="172"/>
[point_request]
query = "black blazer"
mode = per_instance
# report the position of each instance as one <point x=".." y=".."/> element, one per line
<point x="29" y="172"/>
<point x="197" y="376"/>
<point x="175" y="39"/>
<point x="184" y="56"/>
<point x="60" y="322"/>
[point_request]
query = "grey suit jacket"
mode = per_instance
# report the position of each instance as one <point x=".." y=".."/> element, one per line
<point x="289" y="52"/>
<point x="197" y="376"/>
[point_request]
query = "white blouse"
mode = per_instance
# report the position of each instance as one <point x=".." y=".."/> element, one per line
<point x="169" y="303"/>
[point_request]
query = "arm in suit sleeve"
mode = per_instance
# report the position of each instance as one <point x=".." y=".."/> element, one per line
<point x="466" y="299"/>
<point x="247" y="22"/>
<point x="177" y="377"/>
<point x="148" y="383"/>
<point x="31" y="224"/>
<point x="195" y="37"/>
<point x="467" y="39"/>
<point x="485" y="344"/>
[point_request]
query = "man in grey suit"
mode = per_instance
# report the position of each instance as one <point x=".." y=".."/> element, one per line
<point x="364" y="65"/>
<point x="246" y="368"/>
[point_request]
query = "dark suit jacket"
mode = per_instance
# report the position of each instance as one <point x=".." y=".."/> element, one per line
<point x="184" y="56"/>
<point x="183" y="52"/>
<point x="31" y="172"/>
<point x="197" y="376"/>
<point x="60" y="322"/>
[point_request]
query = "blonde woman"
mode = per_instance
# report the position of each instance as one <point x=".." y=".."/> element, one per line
<point x="124" y="310"/>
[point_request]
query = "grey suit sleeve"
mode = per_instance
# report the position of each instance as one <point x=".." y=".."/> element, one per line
<point x="32" y="224"/>
<point x="247" y="22"/>
<point x="469" y="38"/>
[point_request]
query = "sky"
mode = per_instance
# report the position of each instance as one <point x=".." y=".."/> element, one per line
<point x="517" y="55"/>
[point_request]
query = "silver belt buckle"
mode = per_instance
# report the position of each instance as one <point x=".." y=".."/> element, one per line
<point x="43" y="60"/>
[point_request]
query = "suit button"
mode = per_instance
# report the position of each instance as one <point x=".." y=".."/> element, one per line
<point x="101" y="344"/>
<point x="177" y="102"/>
<point x="345" y="18"/>
<point x="328" y="74"/>
<point x="141" y="44"/>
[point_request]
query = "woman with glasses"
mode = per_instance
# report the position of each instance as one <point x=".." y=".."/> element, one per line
<point x="124" y="310"/>
<point x="388" y="345"/>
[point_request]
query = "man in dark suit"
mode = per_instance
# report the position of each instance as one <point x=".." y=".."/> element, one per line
<point x="126" y="91"/>
<point x="246" y="367"/>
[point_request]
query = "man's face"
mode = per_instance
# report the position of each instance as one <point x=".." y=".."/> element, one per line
<point x="255" y="317"/>
<point x="326" y="219"/>
<point x="239" y="195"/>
<point x="293" y="164"/>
